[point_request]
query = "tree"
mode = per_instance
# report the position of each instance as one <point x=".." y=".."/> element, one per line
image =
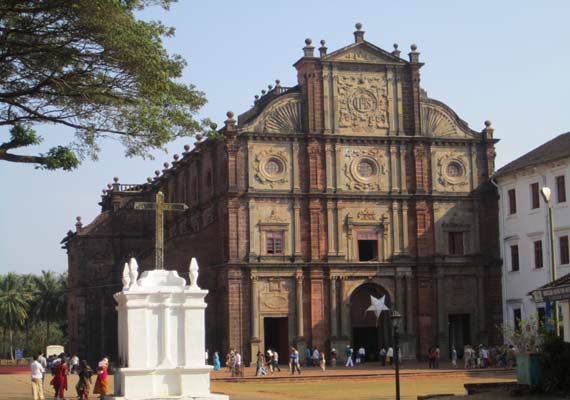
<point x="13" y="306"/>
<point x="92" y="66"/>
<point x="50" y="301"/>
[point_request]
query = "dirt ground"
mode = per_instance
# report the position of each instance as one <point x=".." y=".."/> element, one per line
<point x="314" y="385"/>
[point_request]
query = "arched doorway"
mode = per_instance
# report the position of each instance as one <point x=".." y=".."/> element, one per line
<point x="368" y="331"/>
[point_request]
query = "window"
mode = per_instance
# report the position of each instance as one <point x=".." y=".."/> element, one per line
<point x="514" y="258"/>
<point x="538" y="254"/>
<point x="534" y="196"/>
<point x="517" y="317"/>
<point x="367" y="246"/>
<point x="274" y="242"/>
<point x="564" y="256"/>
<point x="455" y="242"/>
<point x="560" y="189"/>
<point x="512" y="202"/>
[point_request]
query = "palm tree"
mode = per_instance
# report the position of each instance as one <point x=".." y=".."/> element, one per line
<point x="13" y="306"/>
<point x="50" y="300"/>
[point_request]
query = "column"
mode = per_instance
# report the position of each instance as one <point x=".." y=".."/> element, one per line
<point x="165" y="342"/>
<point x="409" y="306"/>
<point x="333" y="310"/>
<point x="442" y="315"/>
<point x="481" y="302"/>
<point x="297" y="222"/>
<point x="405" y="233"/>
<point x="344" y="310"/>
<point x="397" y="245"/>
<point x="394" y="169"/>
<point x="299" y="294"/>
<point x="254" y="309"/>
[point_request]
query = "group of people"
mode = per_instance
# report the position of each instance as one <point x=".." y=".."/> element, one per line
<point x="434" y="355"/>
<point x="234" y="362"/>
<point x="267" y="363"/>
<point x="482" y="356"/>
<point x="58" y="365"/>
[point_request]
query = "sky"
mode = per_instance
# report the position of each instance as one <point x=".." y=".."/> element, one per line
<point x="506" y="61"/>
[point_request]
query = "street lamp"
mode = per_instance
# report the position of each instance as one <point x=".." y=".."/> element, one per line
<point x="545" y="192"/>
<point x="396" y="317"/>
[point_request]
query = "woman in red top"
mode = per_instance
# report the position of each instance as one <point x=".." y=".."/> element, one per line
<point x="59" y="380"/>
<point x="101" y="385"/>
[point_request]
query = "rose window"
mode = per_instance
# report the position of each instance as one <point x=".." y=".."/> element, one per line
<point x="454" y="170"/>
<point x="366" y="169"/>
<point x="273" y="167"/>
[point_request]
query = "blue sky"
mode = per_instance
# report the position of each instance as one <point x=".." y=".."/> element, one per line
<point x="504" y="61"/>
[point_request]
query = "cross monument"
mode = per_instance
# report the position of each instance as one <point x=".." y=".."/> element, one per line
<point x="159" y="208"/>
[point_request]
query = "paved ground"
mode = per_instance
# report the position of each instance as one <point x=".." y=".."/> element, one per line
<point x="363" y="382"/>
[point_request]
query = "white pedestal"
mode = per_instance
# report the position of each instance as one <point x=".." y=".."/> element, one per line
<point x="162" y="339"/>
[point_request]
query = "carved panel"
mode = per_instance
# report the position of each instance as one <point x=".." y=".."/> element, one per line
<point x="435" y="122"/>
<point x="270" y="167"/>
<point x="284" y="117"/>
<point x="362" y="101"/>
<point x="363" y="169"/>
<point x="451" y="171"/>
<point x="275" y="295"/>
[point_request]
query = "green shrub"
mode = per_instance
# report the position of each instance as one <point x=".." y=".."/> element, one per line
<point x="556" y="364"/>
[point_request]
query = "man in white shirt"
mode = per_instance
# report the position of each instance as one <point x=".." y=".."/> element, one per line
<point x="37" y="375"/>
<point x="239" y="371"/>
<point x="361" y="354"/>
<point x="43" y="362"/>
<point x="316" y="355"/>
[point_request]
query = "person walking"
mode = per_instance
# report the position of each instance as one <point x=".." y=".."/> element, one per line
<point x="238" y="364"/>
<point x="348" y="353"/>
<point x="269" y="359"/>
<point x="383" y="356"/>
<point x="389" y="355"/>
<point x="294" y="357"/>
<point x="260" y="365"/>
<point x="74" y="364"/>
<point x="322" y="361"/>
<point x="37" y="379"/>
<point x="431" y="356"/>
<point x="275" y="361"/>
<point x="217" y="364"/>
<point x="84" y="383"/>
<point x="308" y="356"/>
<point x="333" y="357"/>
<point x="437" y="356"/>
<point x="316" y="355"/>
<point x="59" y="380"/>
<point x="454" y="357"/>
<point x="362" y="354"/>
<point x="43" y="362"/>
<point x="101" y="384"/>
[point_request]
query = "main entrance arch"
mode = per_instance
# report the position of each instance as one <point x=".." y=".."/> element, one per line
<point x="367" y="331"/>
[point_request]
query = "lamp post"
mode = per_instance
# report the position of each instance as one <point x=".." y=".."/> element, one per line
<point x="396" y="317"/>
<point x="545" y="192"/>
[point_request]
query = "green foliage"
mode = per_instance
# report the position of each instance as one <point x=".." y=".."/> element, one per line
<point x="526" y="336"/>
<point x="32" y="308"/>
<point x="555" y="362"/>
<point x="92" y="66"/>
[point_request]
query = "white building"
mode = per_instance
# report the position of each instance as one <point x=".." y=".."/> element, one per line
<point x="524" y="228"/>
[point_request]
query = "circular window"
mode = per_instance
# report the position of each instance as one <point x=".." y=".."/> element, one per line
<point x="273" y="167"/>
<point x="366" y="169"/>
<point x="454" y="170"/>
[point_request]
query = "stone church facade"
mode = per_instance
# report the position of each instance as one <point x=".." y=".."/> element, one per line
<point x="349" y="184"/>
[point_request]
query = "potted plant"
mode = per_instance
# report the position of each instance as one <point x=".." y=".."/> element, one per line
<point x="527" y="337"/>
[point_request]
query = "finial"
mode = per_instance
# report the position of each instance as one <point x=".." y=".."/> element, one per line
<point x="359" y="33"/>
<point x="78" y="224"/>
<point x="176" y="157"/>
<point x="193" y="274"/>
<point x="487" y="123"/>
<point x="133" y="271"/>
<point x="166" y="165"/>
<point x="199" y="138"/>
<point x="109" y="186"/>
<point x="269" y="87"/>
<point x="149" y="179"/>
<point x="308" y="50"/>
<point x="116" y="179"/>
<point x="104" y="191"/>
<point x="186" y="148"/>
<point x="157" y="172"/>
<point x="126" y="279"/>
<point x="263" y="92"/>
<point x="78" y="219"/>
<point x="256" y="97"/>
<point x="277" y="83"/>
<point x="488" y="130"/>
<point x="414" y="54"/>
<point x="396" y="52"/>
<point x="230" y="122"/>
<point x="323" y="49"/>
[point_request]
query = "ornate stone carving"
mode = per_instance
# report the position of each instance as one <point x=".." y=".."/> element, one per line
<point x="363" y="101"/>
<point x="363" y="168"/>
<point x="435" y="122"/>
<point x="275" y="302"/>
<point x="265" y="172"/>
<point x="275" y="295"/>
<point x="452" y="171"/>
<point x="273" y="217"/>
<point x="366" y="215"/>
<point x="284" y="117"/>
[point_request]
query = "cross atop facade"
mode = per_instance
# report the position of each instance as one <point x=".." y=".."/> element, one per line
<point x="159" y="208"/>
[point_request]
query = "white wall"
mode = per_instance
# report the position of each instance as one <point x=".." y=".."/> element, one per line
<point x="527" y="226"/>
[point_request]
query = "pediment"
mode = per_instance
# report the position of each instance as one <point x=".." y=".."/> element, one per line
<point x="282" y="115"/>
<point x="365" y="53"/>
<point x="438" y="120"/>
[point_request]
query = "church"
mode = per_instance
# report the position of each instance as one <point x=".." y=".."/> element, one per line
<point x="350" y="184"/>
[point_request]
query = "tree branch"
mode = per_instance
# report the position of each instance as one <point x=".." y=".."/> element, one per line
<point x="22" y="159"/>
